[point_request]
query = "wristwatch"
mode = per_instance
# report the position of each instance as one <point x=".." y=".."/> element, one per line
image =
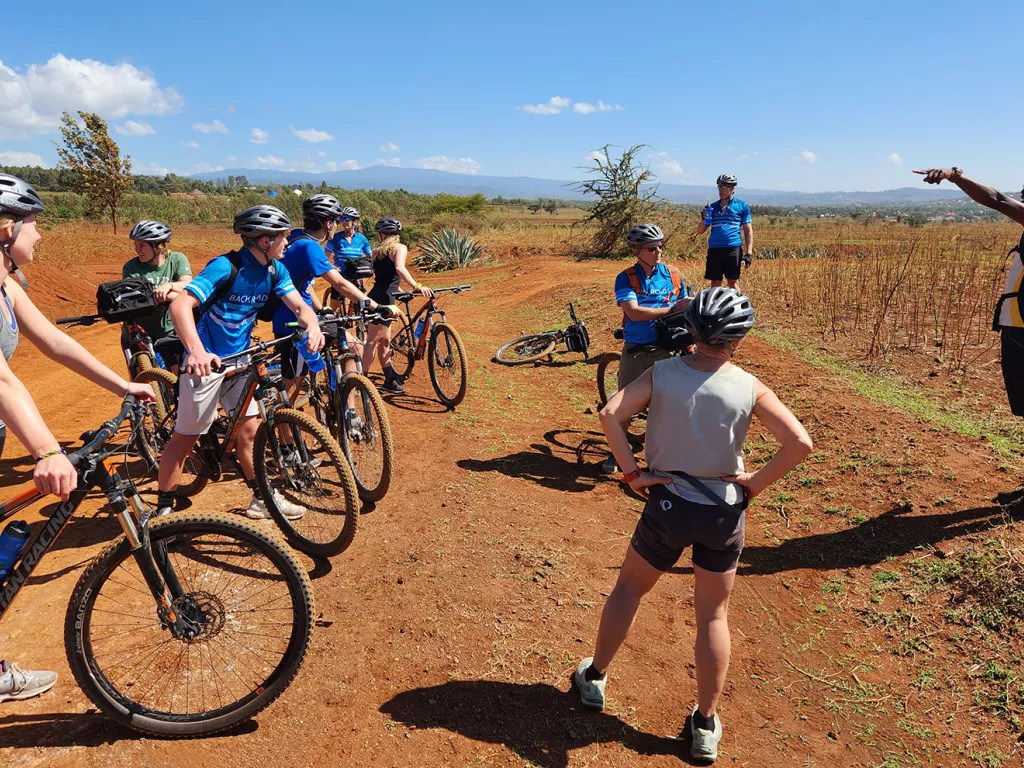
<point x="629" y="477"/>
<point x="957" y="172"/>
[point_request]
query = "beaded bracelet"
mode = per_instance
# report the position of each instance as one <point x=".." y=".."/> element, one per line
<point x="48" y="454"/>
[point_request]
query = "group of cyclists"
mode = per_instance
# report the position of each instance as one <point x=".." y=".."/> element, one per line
<point x="700" y="405"/>
<point x="212" y="315"/>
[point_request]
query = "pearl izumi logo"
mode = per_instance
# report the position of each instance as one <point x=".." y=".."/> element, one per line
<point x="666" y="505"/>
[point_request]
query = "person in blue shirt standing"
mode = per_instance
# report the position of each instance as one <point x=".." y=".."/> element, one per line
<point x="228" y="315"/>
<point x="732" y="234"/>
<point x="348" y="246"/>
<point x="306" y="260"/>
<point x="646" y="291"/>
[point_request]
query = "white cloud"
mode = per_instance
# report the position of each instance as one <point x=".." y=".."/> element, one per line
<point x="206" y="167"/>
<point x="389" y="147"/>
<point x="345" y="165"/>
<point x="585" y="108"/>
<point x="895" y="160"/>
<point x="748" y="155"/>
<point x="312" y="135"/>
<point x="322" y="154"/>
<point x="258" y="136"/>
<point x="232" y="158"/>
<point x="149" y="169"/>
<point x="33" y="101"/>
<point x="132" y="128"/>
<point x="665" y="163"/>
<point x="215" y="127"/>
<point x="595" y="155"/>
<point x="554" y="105"/>
<point x="806" y="157"/>
<point x="190" y="144"/>
<point x="393" y="162"/>
<point x="269" y="160"/>
<point x="19" y="159"/>
<point x="231" y="108"/>
<point x="444" y="163"/>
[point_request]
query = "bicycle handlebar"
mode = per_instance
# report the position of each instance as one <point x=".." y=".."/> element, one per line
<point x="80" y="320"/>
<point x="104" y="433"/>
<point x="262" y="346"/>
<point x="407" y="295"/>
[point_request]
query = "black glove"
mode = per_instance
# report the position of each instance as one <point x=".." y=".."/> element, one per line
<point x="748" y="259"/>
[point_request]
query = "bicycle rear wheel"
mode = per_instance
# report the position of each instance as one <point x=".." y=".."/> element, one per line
<point x="165" y="387"/>
<point x="608" y="377"/>
<point x="365" y="435"/>
<point x="449" y="372"/>
<point x="249" y="604"/>
<point x="403" y="349"/>
<point x="304" y="466"/>
<point x="526" y="349"/>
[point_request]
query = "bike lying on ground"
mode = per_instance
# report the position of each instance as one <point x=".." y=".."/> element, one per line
<point x="295" y="458"/>
<point x="350" y="406"/>
<point x="184" y="625"/>
<point x="534" y="346"/>
<point x="437" y="341"/>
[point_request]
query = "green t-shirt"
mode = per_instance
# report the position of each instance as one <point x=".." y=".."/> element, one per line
<point x="175" y="267"/>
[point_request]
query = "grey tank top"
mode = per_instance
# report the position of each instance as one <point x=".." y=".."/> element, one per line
<point x="697" y="423"/>
<point x="8" y="331"/>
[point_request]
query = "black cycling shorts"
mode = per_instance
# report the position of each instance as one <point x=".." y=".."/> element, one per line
<point x="1013" y="367"/>
<point x="723" y="261"/>
<point x="669" y="524"/>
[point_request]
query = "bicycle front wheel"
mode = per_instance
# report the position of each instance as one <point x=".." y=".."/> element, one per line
<point x="526" y="349"/>
<point x="365" y="435"/>
<point x="449" y="372"/>
<point x="302" y="471"/>
<point x="403" y="349"/>
<point x="249" y="609"/>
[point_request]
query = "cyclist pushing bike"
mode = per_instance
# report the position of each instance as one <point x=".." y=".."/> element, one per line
<point x="227" y="294"/>
<point x="306" y="260"/>
<point x="168" y="271"/>
<point x="646" y="291"/>
<point x="389" y="271"/>
<point x="19" y="206"/>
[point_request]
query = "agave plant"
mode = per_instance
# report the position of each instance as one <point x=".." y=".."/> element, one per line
<point x="447" y="249"/>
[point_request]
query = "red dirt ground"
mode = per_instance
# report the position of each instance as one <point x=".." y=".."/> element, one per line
<point x="451" y="626"/>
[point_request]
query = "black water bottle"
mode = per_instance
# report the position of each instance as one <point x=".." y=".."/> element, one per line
<point x="12" y="541"/>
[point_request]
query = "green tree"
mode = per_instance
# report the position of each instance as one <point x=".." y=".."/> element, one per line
<point x="627" y="195"/>
<point x="95" y="160"/>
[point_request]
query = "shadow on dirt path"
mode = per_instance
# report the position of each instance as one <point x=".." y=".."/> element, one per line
<point x="80" y="730"/>
<point x="538" y="722"/>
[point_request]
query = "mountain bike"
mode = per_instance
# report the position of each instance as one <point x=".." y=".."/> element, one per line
<point x="534" y="346"/>
<point x="145" y="361"/>
<point x="437" y="341"/>
<point x="295" y="458"/>
<point x="350" y="406"/>
<point x="184" y="625"/>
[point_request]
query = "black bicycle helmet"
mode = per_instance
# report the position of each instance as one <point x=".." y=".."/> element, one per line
<point x="18" y="198"/>
<point x="321" y="207"/>
<point x="350" y="212"/>
<point x="727" y="178"/>
<point x="388" y="226"/>
<point x="718" y="314"/>
<point x="261" y="220"/>
<point x="150" y="231"/>
<point x="644" y="233"/>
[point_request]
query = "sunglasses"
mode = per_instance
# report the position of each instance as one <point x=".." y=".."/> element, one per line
<point x="346" y="218"/>
<point x="653" y="248"/>
<point x="727" y="186"/>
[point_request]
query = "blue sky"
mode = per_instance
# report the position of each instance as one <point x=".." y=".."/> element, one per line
<point x="794" y="95"/>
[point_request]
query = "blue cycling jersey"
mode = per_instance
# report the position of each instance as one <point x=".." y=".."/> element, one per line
<point x="348" y="249"/>
<point x="726" y="223"/>
<point x="227" y="327"/>
<point x="655" y="291"/>
<point x="305" y="260"/>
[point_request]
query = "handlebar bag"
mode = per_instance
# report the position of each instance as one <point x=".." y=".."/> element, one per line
<point x="128" y="299"/>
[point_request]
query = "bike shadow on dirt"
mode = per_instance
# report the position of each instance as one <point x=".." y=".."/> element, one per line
<point x="72" y="729"/>
<point x="893" y="533"/>
<point x="569" y="460"/>
<point x="537" y="721"/>
<point x="414" y="403"/>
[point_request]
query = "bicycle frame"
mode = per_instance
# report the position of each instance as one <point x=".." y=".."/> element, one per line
<point x="132" y="514"/>
<point x="429" y="309"/>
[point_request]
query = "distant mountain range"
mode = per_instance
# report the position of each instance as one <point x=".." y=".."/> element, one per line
<point x="432" y="182"/>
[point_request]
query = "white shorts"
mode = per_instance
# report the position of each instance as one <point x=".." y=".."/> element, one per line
<point x="198" y="398"/>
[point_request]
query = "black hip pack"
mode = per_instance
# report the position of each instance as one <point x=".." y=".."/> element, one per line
<point x="128" y="299"/>
<point x="357" y="269"/>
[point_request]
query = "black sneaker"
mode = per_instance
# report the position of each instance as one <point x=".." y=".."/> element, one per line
<point x="392" y="386"/>
<point x="610" y="466"/>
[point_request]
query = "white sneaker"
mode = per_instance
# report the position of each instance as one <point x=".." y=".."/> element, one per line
<point x="257" y="510"/>
<point x="17" y="683"/>
<point x="705" y="743"/>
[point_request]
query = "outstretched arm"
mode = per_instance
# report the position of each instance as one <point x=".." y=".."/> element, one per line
<point x="980" y="193"/>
